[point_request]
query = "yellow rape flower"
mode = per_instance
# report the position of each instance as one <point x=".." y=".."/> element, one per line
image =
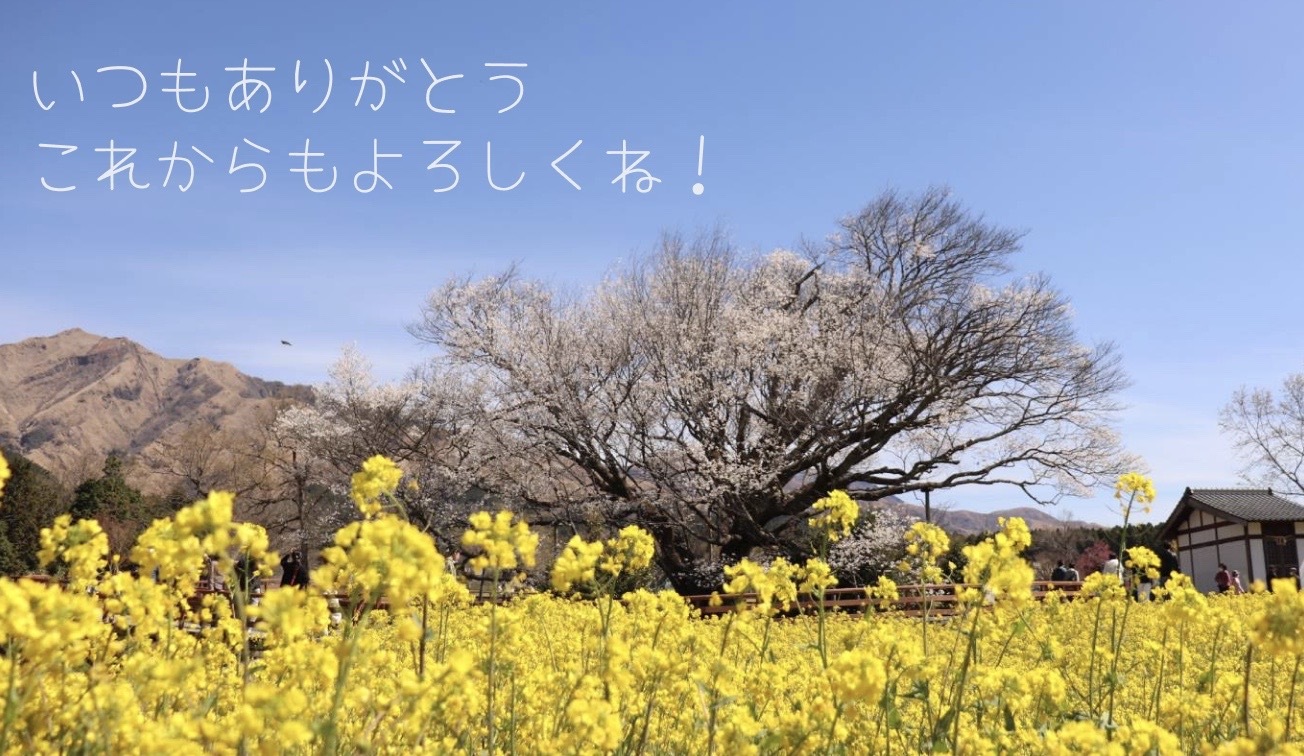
<point x="388" y="558"/>
<point x="630" y="551"/>
<point x="378" y="477"/>
<point x="885" y="592"/>
<point x="207" y="517"/>
<point x="82" y="546"/>
<point x="1080" y="738"/>
<point x="837" y="514"/>
<point x="1104" y="585"/>
<point x="857" y="675"/>
<point x="288" y="614"/>
<point x="1183" y="601"/>
<point x="817" y="576"/>
<point x="926" y="544"/>
<point x="593" y="723"/>
<point x="117" y="669"/>
<point x="1278" y="627"/>
<point x="997" y="565"/>
<point x="1143" y="561"/>
<point x="1134" y="487"/>
<point x="44" y="625"/>
<point x="576" y="564"/>
<point x="775" y="587"/>
<point x="501" y="541"/>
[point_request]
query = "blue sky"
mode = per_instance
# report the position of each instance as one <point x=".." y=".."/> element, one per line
<point x="1153" y="152"/>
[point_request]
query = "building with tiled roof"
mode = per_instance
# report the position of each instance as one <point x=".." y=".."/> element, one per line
<point x="1254" y="531"/>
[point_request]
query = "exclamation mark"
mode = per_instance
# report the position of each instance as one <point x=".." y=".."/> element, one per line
<point x="701" y="152"/>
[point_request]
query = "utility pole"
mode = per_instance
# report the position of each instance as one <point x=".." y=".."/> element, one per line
<point x="928" y="506"/>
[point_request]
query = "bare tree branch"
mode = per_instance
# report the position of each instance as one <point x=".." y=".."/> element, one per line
<point x="1268" y="431"/>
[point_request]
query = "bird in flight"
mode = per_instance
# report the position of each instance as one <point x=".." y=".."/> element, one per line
<point x="283" y="341"/>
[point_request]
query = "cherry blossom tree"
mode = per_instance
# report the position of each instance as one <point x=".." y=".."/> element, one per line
<point x="874" y="548"/>
<point x="712" y="396"/>
<point x="352" y="417"/>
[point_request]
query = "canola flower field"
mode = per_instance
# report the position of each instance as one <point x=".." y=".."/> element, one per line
<point x="103" y="664"/>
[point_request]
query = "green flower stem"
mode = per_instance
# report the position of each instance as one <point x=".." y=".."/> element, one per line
<point x="421" y="646"/>
<point x="1117" y="641"/>
<point x="11" y="700"/>
<point x="715" y="690"/>
<point x="1159" y="681"/>
<point x="1091" y="663"/>
<point x="331" y="738"/>
<point x="1290" y="703"/>
<point x="969" y="652"/>
<point x="1245" y="696"/>
<point x="493" y="655"/>
<point x="833" y="728"/>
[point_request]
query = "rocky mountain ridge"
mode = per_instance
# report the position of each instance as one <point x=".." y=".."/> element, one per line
<point x="965" y="522"/>
<point x="68" y="400"/>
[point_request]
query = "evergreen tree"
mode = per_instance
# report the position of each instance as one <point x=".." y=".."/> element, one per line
<point x="108" y="494"/>
<point x="10" y="564"/>
<point x="32" y="499"/>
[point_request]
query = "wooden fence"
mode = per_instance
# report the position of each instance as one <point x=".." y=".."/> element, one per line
<point x="913" y="600"/>
<point x="938" y="600"/>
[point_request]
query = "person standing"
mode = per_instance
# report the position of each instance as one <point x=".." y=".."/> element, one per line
<point x="1144" y="586"/>
<point x="294" y="569"/>
<point x="211" y="579"/>
<point x="1223" y="578"/>
<point x="1112" y="566"/>
<point x="1059" y="574"/>
<point x="1169" y="565"/>
<point x="301" y="577"/>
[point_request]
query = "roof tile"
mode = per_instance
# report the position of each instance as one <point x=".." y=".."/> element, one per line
<point x="1254" y="505"/>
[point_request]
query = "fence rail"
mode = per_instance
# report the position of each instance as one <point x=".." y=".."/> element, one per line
<point x="913" y="600"/>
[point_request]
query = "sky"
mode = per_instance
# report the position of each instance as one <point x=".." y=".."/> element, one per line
<point x="1152" y="153"/>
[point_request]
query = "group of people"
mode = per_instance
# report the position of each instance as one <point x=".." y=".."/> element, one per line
<point x="1065" y="572"/>
<point x="1229" y="581"/>
<point x="1226" y="580"/>
<point x="1292" y="574"/>
<point x="294" y="571"/>
<point x="1168" y="567"/>
<point x="246" y="575"/>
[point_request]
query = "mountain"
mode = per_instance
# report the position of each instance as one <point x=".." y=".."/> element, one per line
<point x="68" y="400"/>
<point x="966" y="522"/>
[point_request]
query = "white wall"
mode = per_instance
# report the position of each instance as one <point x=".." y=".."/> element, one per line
<point x="1200" y="556"/>
<point x="1205" y="566"/>
<point x="1260" y="559"/>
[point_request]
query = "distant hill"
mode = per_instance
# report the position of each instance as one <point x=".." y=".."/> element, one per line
<point x="68" y="400"/>
<point x="966" y="522"/>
